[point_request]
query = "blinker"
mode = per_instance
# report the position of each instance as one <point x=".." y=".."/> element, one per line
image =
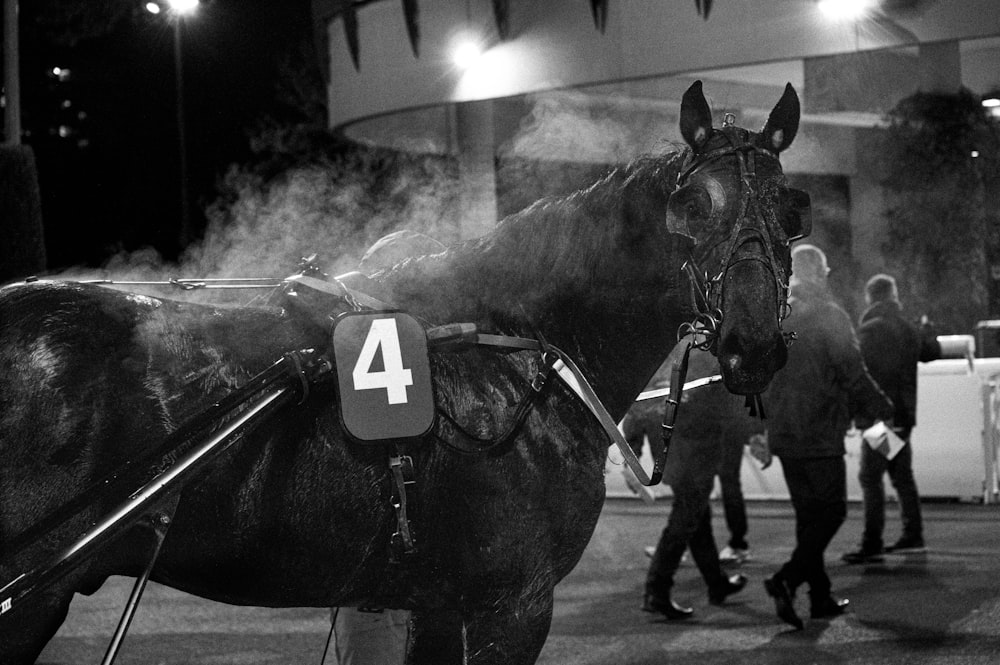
<point x="693" y="208"/>
<point x="797" y="222"/>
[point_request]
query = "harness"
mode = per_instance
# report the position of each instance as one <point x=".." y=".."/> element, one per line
<point x="752" y="224"/>
<point x="348" y="295"/>
<point x="348" y="299"/>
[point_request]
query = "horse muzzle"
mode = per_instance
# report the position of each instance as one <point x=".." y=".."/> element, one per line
<point x="751" y="346"/>
<point x="747" y="369"/>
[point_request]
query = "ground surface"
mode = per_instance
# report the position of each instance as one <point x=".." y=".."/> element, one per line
<point x="942" y="607"/>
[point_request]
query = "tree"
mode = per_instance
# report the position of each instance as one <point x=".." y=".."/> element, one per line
<point x="941" y="160"/>
<point x="68" y="22"/>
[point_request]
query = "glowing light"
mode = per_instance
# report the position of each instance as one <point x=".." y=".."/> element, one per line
<point x="153" y="8"/>
<point x="183" y="6"/>
<point x="845" y="9"/>
<point x="974" y="153"/>
<point x="467" y="52"/>
<point x="991" y="102"/>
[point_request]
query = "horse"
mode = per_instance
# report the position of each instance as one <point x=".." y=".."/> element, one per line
<point x="299" y="514"/>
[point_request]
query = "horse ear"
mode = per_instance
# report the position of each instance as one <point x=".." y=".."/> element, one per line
<point x="783" y="123"/>
<point x="696" y="117"/>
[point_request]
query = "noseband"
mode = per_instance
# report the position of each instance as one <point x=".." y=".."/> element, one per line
<point x="752" y="222"/>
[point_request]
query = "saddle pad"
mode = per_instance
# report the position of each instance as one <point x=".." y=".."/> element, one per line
<point x="384" y="376"/>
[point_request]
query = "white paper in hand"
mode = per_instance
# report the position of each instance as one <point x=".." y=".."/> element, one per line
<point x="883" y="440"/>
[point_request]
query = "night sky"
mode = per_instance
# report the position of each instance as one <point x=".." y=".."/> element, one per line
<point x="105" y="136"/>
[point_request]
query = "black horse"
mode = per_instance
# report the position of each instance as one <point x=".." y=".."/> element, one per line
<point x="298" y="514"/>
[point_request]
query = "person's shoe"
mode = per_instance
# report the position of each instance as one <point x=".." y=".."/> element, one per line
<point x="828" y="608"/>
<point x="778" y="589"/>
<point x="907" y="545"/>
<point x="732" y="584"/>
<point x="734" y="555"/>
<point x="666" y="607"/>
<point x="863" y="555"/>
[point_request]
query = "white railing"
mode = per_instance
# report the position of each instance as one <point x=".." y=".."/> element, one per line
<point x="991" y="439"/>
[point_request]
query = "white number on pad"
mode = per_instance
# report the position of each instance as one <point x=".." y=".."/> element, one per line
<point x="393" y="378"/>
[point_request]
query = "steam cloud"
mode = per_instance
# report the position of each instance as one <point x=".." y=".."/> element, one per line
<point x="332" y="210"/>
<point x="338" y="208"/>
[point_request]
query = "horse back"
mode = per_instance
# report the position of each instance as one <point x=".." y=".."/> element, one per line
<point x="296" y="513"/>
<point x="93" y="377"/>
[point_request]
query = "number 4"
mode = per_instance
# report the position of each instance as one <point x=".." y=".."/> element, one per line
<point x="393" y="378"/>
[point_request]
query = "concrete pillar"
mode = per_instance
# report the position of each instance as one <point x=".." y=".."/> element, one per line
<point x="940" y="67"/>
<point x="11" y="75"/>
<point x="474" y="147"/>
<point x="870" y="81"/>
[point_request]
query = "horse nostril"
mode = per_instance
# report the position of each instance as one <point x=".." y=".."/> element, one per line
<point x="735" y="355"/>
<point x="732" y="361"/>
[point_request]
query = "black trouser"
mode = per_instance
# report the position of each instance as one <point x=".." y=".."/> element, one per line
<point x="900" y="468"/>
<point x="818" y="487"/>
<point x="690" y="525"/>
<point x="732" y="492"/>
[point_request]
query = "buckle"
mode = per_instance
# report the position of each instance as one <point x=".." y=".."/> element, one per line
<point x="544" y="372"/>
<point x="404" y="463"/>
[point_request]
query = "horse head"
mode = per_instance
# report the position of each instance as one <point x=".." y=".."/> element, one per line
<point x="733" y="202"/>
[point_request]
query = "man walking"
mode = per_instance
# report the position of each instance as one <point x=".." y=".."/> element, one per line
<point x="692" y="462"/>
<point x="892" y="347"/>
<point x="811" y="403"/>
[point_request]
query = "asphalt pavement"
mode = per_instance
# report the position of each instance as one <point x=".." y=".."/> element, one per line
<point x="934" y="608"/>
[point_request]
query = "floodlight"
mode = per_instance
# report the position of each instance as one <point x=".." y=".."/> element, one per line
<point x="183" y="7"/>
<point x="466" y="52"/>
<point x="845" y="9"/>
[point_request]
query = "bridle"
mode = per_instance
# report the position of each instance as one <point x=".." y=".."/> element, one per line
<point x="752" y="223"/>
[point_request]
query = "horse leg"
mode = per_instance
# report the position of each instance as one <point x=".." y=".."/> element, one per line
<point x="435" y="638"/>
<point x="26" y="631"/>
<point x="511" y="631"/>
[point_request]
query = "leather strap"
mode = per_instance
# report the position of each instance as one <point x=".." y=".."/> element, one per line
<point x="574" y="379"/>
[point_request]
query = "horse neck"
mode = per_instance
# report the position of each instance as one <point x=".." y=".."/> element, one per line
<point x="547" y="270"/>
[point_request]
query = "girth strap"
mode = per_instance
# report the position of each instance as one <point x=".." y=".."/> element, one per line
<point x="403" y="541"/>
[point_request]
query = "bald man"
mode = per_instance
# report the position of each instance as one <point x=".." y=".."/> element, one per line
<point x="811" y="403"/>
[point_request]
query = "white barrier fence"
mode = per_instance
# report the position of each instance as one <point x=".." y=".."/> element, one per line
<point x="991" y="439"/>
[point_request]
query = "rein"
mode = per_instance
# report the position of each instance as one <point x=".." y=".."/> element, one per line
<point x="751" y="223"/>
<point x="553" y="359"/>
<point x="346" y="288"/>
<point x="707" y="293"/>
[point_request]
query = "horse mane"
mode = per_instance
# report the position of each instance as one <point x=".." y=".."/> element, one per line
<point x="556" y="246"/>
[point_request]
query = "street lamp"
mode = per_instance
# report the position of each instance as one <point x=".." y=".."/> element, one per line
<point x="177" y="10"/>
<point x="11" y="78"/>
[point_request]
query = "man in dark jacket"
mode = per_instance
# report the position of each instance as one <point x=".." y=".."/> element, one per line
<point x="892" y="347"/>
<point x="708" y="419"/>
<point x="810" y="405"/>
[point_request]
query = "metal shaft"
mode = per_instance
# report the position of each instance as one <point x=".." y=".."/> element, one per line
<point x="160" y="525"/>
<point x="157" y="488"/>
